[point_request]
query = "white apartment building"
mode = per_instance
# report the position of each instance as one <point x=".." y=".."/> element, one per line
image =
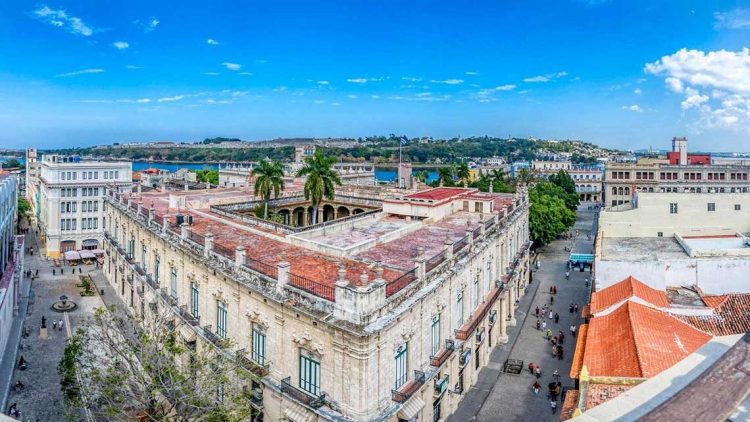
<point x="70" y="209"/>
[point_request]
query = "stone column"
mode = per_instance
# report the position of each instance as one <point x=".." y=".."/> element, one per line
<point x="208" y="244"/>
<point x="448" y="249"/>
<point x="140" y="205"/>
<point x="151" y="214"/>
<point x="502" y="319"/>
<point x="420" y="264"/>
<point x="512" y="302"/>
<point x="283" y="268"/>
<point x="239" y="256"/>
<point x="184" y="231"/>
<point x="165" y="223"/>
<point x="470" y="237"/>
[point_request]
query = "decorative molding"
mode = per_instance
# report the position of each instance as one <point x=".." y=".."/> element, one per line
<point x="255" y="316"/>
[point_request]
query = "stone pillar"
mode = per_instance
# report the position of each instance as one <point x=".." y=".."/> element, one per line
<point x="502" y="319"/>
<point x="469" y="237"/>
<point x="358" y="304"/>
<point x="448" y="249"/>
<point x="151" y="214"/>
<point x="165" y="224"/>
<point x="239" y="255"/>
<point x="138" y="189"/>
<point x="140" y="205"/>
<point x="208" y="246"/>
<point x="184" y="231"/>
<point x="283" y="269"/>
<point x="420" y="262"/>
<point x="130" y="200"/>
<point x="512" y="302"/>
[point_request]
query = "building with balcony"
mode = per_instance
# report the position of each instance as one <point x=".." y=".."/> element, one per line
<point x="678" y="172"/>
<point x="69" y="201"/>
<point x="378" y="316"/>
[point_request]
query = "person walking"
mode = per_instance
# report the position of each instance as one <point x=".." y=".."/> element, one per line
<point x="54" y="325"/>
<point x="576" y="308"/>
<point x="551" y="299"/>
<point x="537" y="309"/>
<point x="556" y="375"/>
<point x="62" y="271"/>
<point x="559" y="353"/>
<point x="53" y="271"/>
<point x="570" y="309"/>
<point x="567" y="275"/>
<point x="531" y="368"/>
<point x="538" y="371"/>
<point x="544" y="325"/>
<point x="551" y="290"/>
<point x="573" y="330"/>
<point x="550" y="314"/>
<point x="537" y="324"/>
<point x="536" y="386"/>
<point x="557" y="318"/>
<point x="60" y="324"/>
<point x="553" y="405"/>
<point x="554" y="290"/>
<point x="560" y="337"/>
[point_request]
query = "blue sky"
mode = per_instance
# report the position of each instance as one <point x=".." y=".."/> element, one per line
<point x="626" y="74"/>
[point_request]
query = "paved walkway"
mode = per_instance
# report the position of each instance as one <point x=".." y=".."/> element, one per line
<point x="499" y="396"/>
<point x="41" y="399"/>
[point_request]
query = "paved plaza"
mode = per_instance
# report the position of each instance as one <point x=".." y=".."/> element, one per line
<point x="41" y="398"/>
<point x="500" y="396"/>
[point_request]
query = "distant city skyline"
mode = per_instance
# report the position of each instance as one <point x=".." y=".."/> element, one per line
<point x="625" y="75"/>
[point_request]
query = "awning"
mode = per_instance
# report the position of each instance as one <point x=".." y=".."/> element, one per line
<point x="72" y="256"/>
<point x="411" y="408"/>
<point x="87" y="255"/>
<point x="295" y="413"/>
<point x="97" y="251"/>
<point x="89" y="242"/>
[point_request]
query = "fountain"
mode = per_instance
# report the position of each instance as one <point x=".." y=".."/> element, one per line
<point x="63" y="305"/>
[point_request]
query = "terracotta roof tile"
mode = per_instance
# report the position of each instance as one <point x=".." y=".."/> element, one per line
<point x="438" y="194"/>
<point x="731" y="315"/>
<point x="639" y="342"/>
<point x="625" y="289"/>
<point x="597" y="394"/>
<point x="575" y="368"/>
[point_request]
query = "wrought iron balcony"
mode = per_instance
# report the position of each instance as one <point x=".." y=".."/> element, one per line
<point x="188" y="316"/>
<point x="214" y="338"/>
<point x="302" y="396"/>
<point x="254" y="367"/>
<point x="171" y="300"/>
<point x="441" y="385"/>
<point x="439" y="359"/>
<point x="407" y="390"/>
<point x="151" y="282"/>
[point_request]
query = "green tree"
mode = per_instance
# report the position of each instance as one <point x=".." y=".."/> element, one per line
<point x="269" y="177"/>
<point x="210" y="176"/>
<point x="138" y="368"/>
<point x="549" y="215"/>
<point x="23" y="207"/>
<point x="421" y="175"/>
<point x="463" y="174"/>
<point x="445" y="176"/>
<point x="563" y="180"/>
<point x="11" y="163"/>
<point x="321" y="180"/>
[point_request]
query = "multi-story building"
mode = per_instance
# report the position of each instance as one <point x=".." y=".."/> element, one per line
<point x="679" y="171"/>
<point x="587" y="178"/>
<point x="8" y="217"/>
<point x="11" y="256"/>
<point x="33" y="194"/>
<point x="70" y="209"/>
<point x="385" y="315"/>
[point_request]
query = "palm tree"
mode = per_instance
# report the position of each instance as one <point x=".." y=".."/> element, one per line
<point x="445" y="176"/>
<point x="321" y="180"/>
<point x="462" y="172"/>
<point x="269" y="177"/>
<point x="421" y="175"/>
<point x="497" y="174"/>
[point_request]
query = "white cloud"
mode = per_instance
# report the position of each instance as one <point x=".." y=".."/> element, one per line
<point x="634" y="108"/>
<point x="351" y="96"/>
<point x="410" y="79"/>
<point x="132" y="67"/>
<point x="79" y="72"/>
<point x="323" y="82"/>
<point x="448" y="81"/>
<point x="733" y="19"/>
<point x="170" y="99"/>
<point x="487" y="95"/>
<point x="545" y="78"/>
<point x="213" y="101"/>
<point x="637" y="91"/>
<point x="375" y="97"/>
<point x="61" y="19"/>
<point x="319" y="102"/>
<point x="232" y="66"/>
<point x="280" y="89"/>
<point x="152" y="24"/>
<point x="714" y="84"/>
<point x="212" y="73"/>
<point x="358" y="80"/>
<point x="470" y="73"/>
<point x="120" y="45"/>
<point x="245" y="74"/>
<point x="212" y="41"/>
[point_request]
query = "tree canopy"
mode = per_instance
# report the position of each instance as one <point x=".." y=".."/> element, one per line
<point x="549" y="215"/>
<point x="321" y="180"/>
<point x="11" y="163"/>
<point x="269" y="178"/>
<point x="210" y="176"/>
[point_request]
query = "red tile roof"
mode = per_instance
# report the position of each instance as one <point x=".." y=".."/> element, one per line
<point x="575" y="367"/>
<point x="625" y="289"/>
<point x="597" y="394"/>
<point x="569" y="405"/>
<point x="731" y="315"/>
<point x="438" y="194"/>
<point x="638" y="342"/>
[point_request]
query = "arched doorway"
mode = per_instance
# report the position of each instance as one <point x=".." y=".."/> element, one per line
<point x="342" y="212"/>
<point x="67" y="245"/>
<point x="89" y="244"/>
<point x="299" y="216"/>
<point x="328" y="213"/>
<point x="357" y="211"/>
<point x="285" y="214"/>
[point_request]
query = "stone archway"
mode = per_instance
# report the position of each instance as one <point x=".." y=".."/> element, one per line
<point x="329" y="213"/>
<point x="357" y="211"/>
<point x="287" y="216"/>
<point x="342" y="211"/>
<point x="298" y="217"/>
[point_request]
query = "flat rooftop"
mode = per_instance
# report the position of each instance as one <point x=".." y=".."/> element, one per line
<point x="715" y="243"/>
<point x="394" y="240"/>
<point x="641" y="249"/>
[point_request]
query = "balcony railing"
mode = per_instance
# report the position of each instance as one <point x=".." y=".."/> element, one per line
<point x="151" y="282"/>
<point x="301" y="396"/>
<point x="439" y="359"/>
<point x="214" y="338"/>
<point x="441" y="385"/>
<point x="251" y="365"/>
<point x="188" y="316"/>
<point x="407" y="390"/>
<point x="312" y="286"/>
<point x="401" y="282"/>
<point x="433" y="262"/>
<point x="171" y="300"/>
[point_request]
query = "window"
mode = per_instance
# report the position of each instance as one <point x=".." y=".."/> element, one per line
<point x="157" y="261"/>
<point x="309" y="373"/>
<point x="737" y="207"/>
<point x="221" y="319"/>
<point x="401" y="365"/>
<point x="711" y="206"/>
<point x="673" y="208"/>
<point x="194" y="300"/>
<point x="476" y="292"/>
<point x="659" y="234"/>
<point x="435" y="334"/>
<point x="259" y="345"/>
<point x="459" y="310"/>
<point x="173" y="281"/>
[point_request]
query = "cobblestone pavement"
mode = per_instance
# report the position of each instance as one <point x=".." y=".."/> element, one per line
<point x="499" y="396"/>
<point x="41" y="399"/>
